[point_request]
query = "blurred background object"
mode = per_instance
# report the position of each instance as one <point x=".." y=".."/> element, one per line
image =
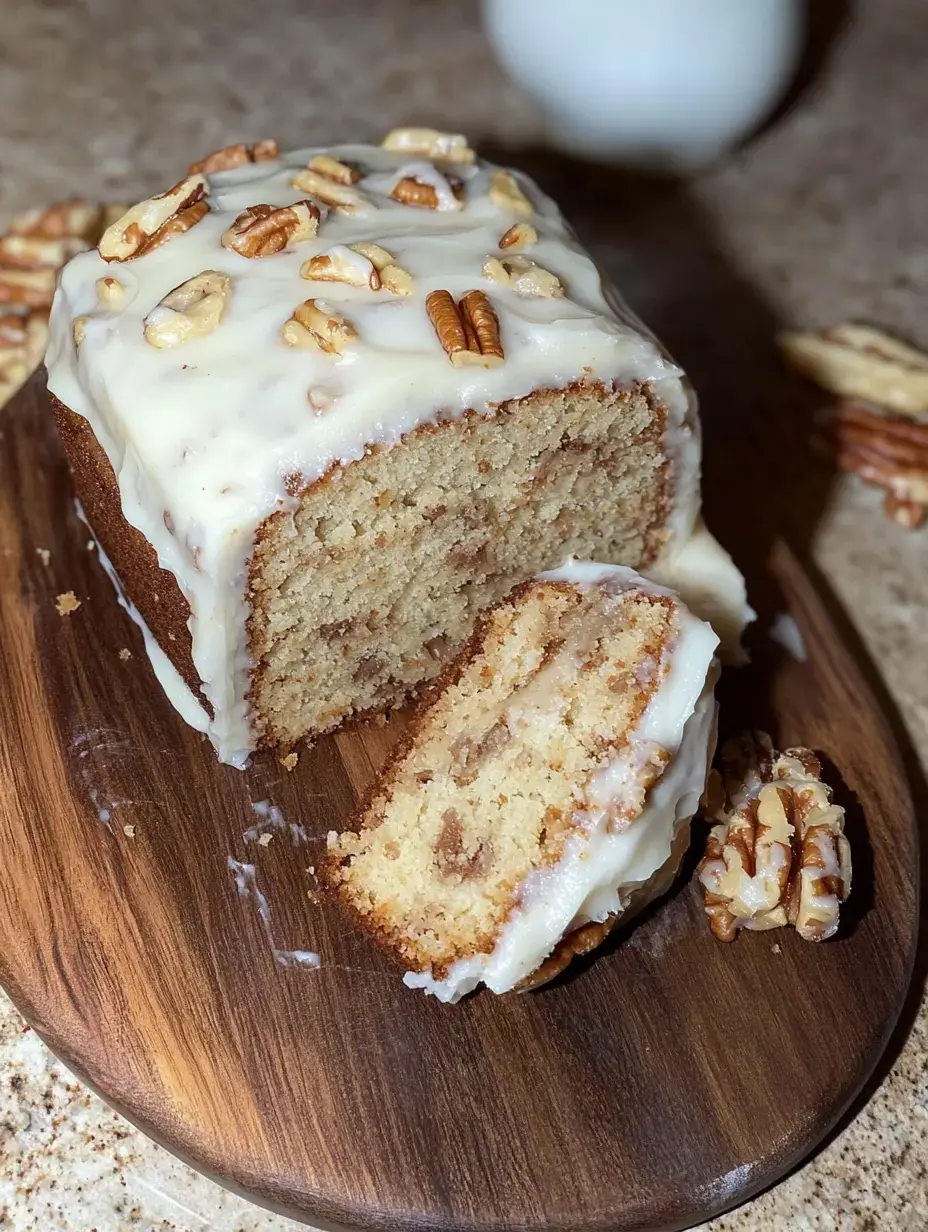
<point x="666" y="85"/>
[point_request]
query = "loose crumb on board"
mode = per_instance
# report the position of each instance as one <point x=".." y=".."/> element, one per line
<point x="67" y="603"/>
<point x="265" y="839"/>
<point x="45" y="554"/>
<point x="289" y="762"/>
<point x="125" y="653"/>
<point x="129" y="830"/>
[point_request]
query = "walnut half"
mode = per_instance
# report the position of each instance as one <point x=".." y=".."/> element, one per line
<point x="779" y="854"/>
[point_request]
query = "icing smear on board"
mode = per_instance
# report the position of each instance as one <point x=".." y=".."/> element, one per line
<point x="247" y="885"/>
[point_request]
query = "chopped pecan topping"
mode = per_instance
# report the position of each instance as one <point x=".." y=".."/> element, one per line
<point x="342" y="264"/>
<point x="314" y="325"/>
<point x="442" y="193"/>
<point x="262" y="230"/>
<point x="888" y="451"/>
<point x="430" y="143"/>
<point x="506" y="193"/>
<point x="191" y="310"/>
<point x="779" y="855"/>
<point x="237" y="155"/>
<point x="151" y="223"/>
<point x="469" y="330"/>
<point x="854" y="361"/>
<point x="334" y="193"/>
<point x="78" y="330"/>
<point x="392" y="277"/>
<point x="334" y="169"/>
<point x="519" y="235"/>
<point x="523" y="276"/>
<point x="109" y="291"/>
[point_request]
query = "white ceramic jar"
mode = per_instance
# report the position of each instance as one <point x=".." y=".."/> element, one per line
<point x="663" y="84"/>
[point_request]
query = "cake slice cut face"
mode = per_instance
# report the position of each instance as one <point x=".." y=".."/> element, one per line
<point x="324" y="408"/>
<point x="547" y="788"/>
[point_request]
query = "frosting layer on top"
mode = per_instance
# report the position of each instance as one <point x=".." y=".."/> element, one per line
<point x="213" y="378"/>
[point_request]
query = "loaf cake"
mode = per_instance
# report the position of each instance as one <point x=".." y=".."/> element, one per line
<point x="544" y="791"/>
<point x="323" y="408"/>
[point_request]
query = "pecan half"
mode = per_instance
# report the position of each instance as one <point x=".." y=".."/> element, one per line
<point x="237" y="155"/>
<point x="428" y="189"/>
<point x="523" y="276"/>
<point x="54" y="222"/>
<point x="888" y="451"/>
<point x="429" y="142"/>
<point x="855" y="361"/>
<point x="335" y="193"/>
<point x="314" y="325"/>
<point x="342" y="264"/>
<point x="334" y="169"/>
<point x="392" y="277"/>
<point x="191" y="310"/>
<point x="32" y="288"/>
<point x="469" y="330"/>
<point x="262" y="230"/>
<point x="779" y="855"/>
<point x="507" y="195"/>
<point x="519" y="235"/>
<point x="23" y="338"/>
<point x="34" y="252"/>
<point x="151" y="223"/>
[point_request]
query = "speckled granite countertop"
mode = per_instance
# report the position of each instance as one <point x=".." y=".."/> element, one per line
<point x="823" y="218"/>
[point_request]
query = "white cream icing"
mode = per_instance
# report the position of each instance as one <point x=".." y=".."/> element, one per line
<point x="201" y="436"/>
<point x="600" y="870"/>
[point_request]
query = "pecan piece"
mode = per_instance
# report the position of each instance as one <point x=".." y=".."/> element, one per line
<point x="392" y="277"/>
<point x="334" y="169"/>
<point x="109" y="291"/>
<point x="74" y="218"/>
<point x="888" y="451"/>
<point x="855" y="361"/>
<point x="779" y="855"/>
<point x="191" y="310"/>
<point x="34" y="252"/>
<point x="519" y="235"/>
<point x="334" y="193"/>
<point x="314" y="325"/>
<point x="32" y="288"/>
<point x="469" y="330"/>
<point x="237" y="155"/>
<point x="342" y="264"/>
<point x="429" y="142"/>
<point x="151" y="223"/>
<point x="423" y="186"/>
<point x="262" y="230"/>
<point x="507" y="195"/>
<point x="525" y="277"/>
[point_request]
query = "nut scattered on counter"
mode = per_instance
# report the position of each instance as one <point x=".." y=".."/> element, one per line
<point x="880" y="425"/>
<point x="779" y="855"/>
<point x="32" y="250"/>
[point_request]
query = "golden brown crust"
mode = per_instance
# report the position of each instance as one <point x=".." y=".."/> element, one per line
<point x="153" y="590"/>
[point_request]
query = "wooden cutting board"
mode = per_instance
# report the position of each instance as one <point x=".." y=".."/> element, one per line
<point x="668" y="1079"/>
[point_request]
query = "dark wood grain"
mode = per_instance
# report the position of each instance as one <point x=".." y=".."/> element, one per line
<point x="666" y="1080"/>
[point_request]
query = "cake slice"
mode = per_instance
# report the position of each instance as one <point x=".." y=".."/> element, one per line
<point x="323" y="408"/>
<point x="545" y="791"/>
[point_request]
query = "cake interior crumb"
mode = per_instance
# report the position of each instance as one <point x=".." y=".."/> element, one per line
<point x="67" y="603"/>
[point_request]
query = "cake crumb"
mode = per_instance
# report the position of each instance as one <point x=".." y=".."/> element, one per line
<point x="289" y="762"/>
<point x="776" y="948"/>
<point x="67" y="603"/>
<point x="265" y="839"/>
<point x="45" y="555"/>
<point x="331" y="839"/>
<point x="129" y="830"/>
<point x="125" y="654"/>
